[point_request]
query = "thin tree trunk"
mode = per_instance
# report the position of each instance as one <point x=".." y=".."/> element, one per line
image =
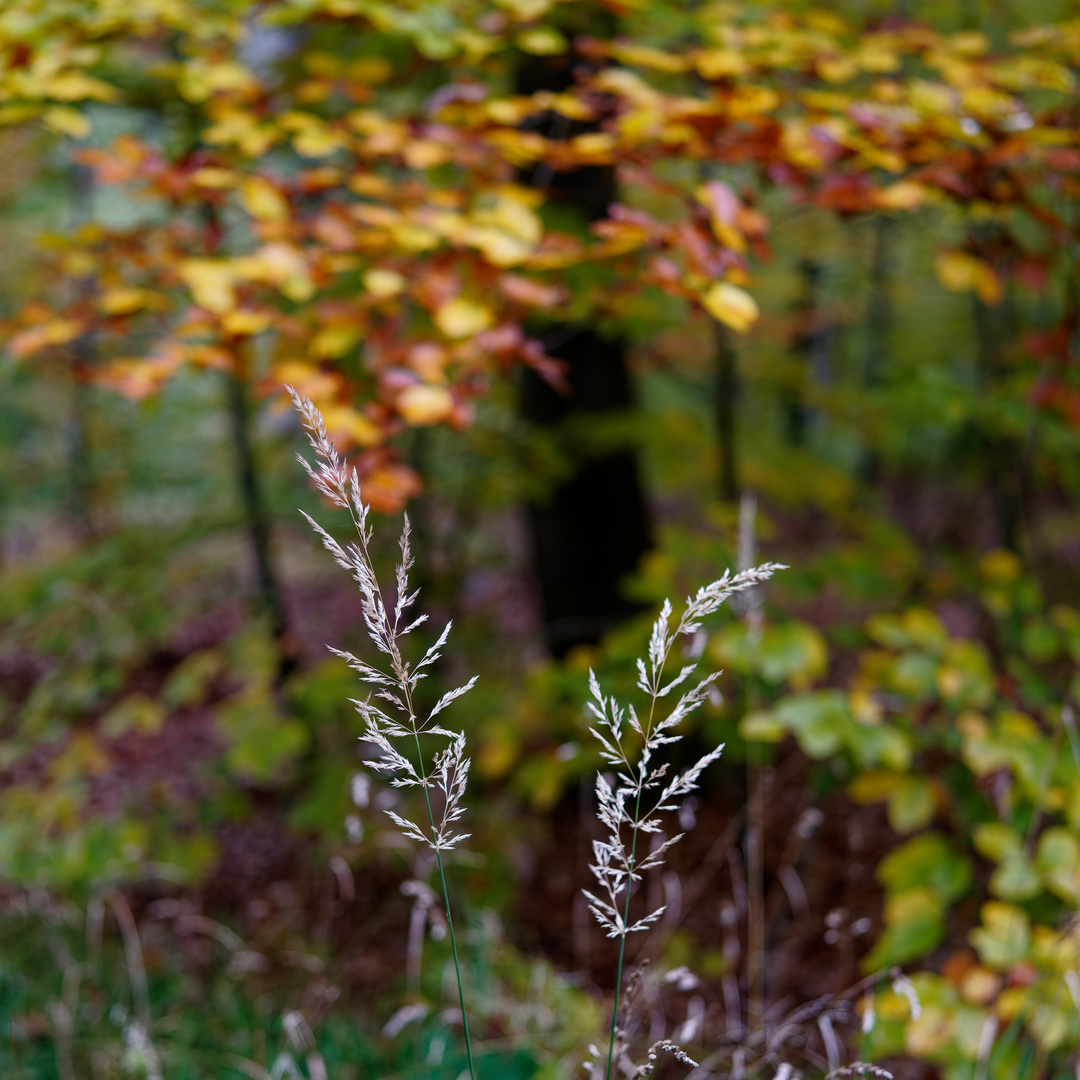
<point x="80" y="478"/>
<point x="727" y="393"/>
<point x="879" y="323"/>
<point x="813" y="351"/>
<point x="1002" y="455"/>
<point x="77" y="453"/>
<point x="256" y="519"/>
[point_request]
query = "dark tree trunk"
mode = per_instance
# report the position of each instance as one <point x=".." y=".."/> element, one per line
<point x="1001" y="456"/>
<point x="879" y="322"/>
<point x="727" y="393"/>
<point x="593" y="528"/>
<point x="813" y="352"/>
<point x="256" y="519"/>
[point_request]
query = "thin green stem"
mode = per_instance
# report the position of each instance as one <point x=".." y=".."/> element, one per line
<point x="622" y="941"/>
<point x="626" y="906"/>
<point x="446" y="896"/>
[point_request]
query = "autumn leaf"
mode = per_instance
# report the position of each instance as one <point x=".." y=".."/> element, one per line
<point x="35" y="338"/>
<point x="959" y="271"/>
<point x="903" y="195"/>
<point x="262" y="200"/>
<point x="387" y="488"/>
<point x="349" y="427"/>
<point x="422" y="405"/>
<point x="460" y="318"/>
<point x="210" y="282"/>
<point x="731" y="306"/>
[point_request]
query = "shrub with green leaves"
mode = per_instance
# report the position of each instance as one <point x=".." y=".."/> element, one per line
<point x="973" y="747"/>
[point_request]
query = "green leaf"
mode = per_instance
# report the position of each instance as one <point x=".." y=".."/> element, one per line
<point x="911" y="804"/>
<point x="189" y="681"/>
<point x="762" y="726"/>
<point x="1005" y="936"/>
<point x="1015" y="879"/>
<point x="928" y="861"/>
<point x="136" y="711"/>
<point x="1039" y="640"/>
<point x="914" y="674"/>
<point x="262" y="755"/>
<point x="819" y="720"/>
<point x="915" y="924"/>
<point x="1057" y="860"/>
<point x="997" y="841"/>
<point x="792" y="651"/>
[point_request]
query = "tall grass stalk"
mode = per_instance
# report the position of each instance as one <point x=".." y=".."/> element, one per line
<point x="398" y="717"/>
<point x="640" y="782"/>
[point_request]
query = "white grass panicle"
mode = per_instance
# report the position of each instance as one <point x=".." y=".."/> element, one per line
<point x="389" y="711"/>
<point x="643" y="791"/>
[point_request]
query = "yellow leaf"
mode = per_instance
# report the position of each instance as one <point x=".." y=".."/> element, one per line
<point x="876" y="58"/>
<point x="959" y="271"/>
<point x="347" y="425"/>
<point x="414" y="237"/>
<point x="333" y="341"/>
<point x="460" y="318"/>
<point x="262" y="200"/>
<point x="970" y="43"/>
<point x="499" y="248"/>
<point x="318" y="385"/>
<point x="648" y="57"/>
<point x="426" y="154"/>
<point x="35" y="338"/>
<point x="422" y="405"/>
<point x="125" y="301"/>
<point x="210" y="282"/>
<point x="280" y="265"/>
<point x="513" y="211"/>
<point x="873" y="786"/>
<point x="211" y="177"/>
<point x="720" y="63"/>
<point x="17" y="114"/>
<point x="594" y="144"/>
<point x="78" y="86"/>
<point x="525" y="10"/>
<point x="382" y="283"/>
<point x="542" y="41"/>
<point x="245" y="322"/>
<point x="318" y="141"/>
<point x="1000" y="565"/>
<point x="65" y="120"/>
<point x="837" y="69"/>
<point x="370" y="70"/>
<point x="749" y="100"/>
<point x="731" y="306"/>
<point x="519" y="148"/>
<point x="903" y="195"/>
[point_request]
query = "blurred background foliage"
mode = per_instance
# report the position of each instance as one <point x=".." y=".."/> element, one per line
<point x="195" y="873"/>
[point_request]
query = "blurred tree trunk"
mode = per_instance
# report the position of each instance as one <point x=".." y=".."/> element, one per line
<point x="593" y="528"/>
<point x="256" y="519"/>
<point x="1000" y="456"/>
<point x="812" y="348"/>
<point x="879" y="325"/>
<point x="727" y="394"/>
<point x="77" y="454"/>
